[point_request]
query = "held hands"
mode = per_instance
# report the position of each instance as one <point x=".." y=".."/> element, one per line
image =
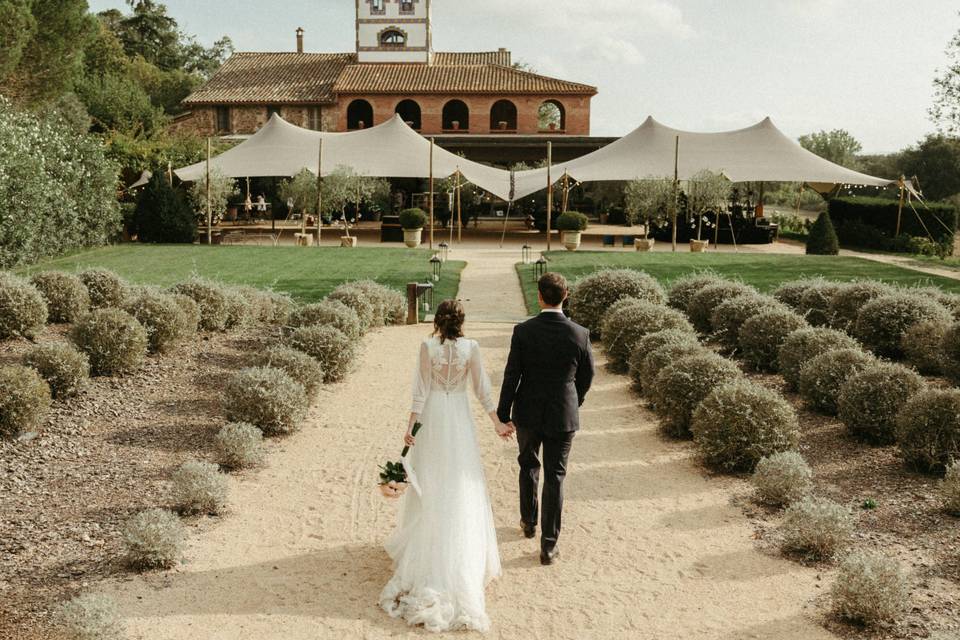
<point x="504" y="430"/>
<point x="408" y="439"/>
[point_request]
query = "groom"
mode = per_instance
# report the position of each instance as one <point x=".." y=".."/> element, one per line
<point x="548" y="374"/>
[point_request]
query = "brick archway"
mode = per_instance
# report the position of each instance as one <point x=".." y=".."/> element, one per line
<point x="456" y="111"/>
<point x="503" y="116"/>
<point x="409" y="111"/>
<point x="359" y="115"/>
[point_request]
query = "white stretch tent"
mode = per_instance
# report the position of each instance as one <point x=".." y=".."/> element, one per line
<point x="761" y="153"/>
<point x="388" y="150"/>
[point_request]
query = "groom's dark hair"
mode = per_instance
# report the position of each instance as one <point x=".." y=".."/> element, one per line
<point x="553" y="288"/>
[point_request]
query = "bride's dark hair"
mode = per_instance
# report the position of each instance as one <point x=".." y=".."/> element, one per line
<point x="448" y="321"/>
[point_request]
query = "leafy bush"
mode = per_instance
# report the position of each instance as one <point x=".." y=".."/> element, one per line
<point x="239" y="313"/>
<point x="113" y="340"/>
<point x="853" y="215"/>
<point x="329" y="346"/>
<point x="882" y="322"/>
<point x="653" y="342"/>
<point x="154" y="540"/>
<point x="790" y="293"/>
<point x="761" y="337"/>
<point x="928" y="429"/>
<point x="950" y="489"/>
<point x="822" y="240"/>
<point x="782" y="478"/>
<point x="730" y="315"/>
<point x="164" y="320"/>
<point x="329" y="312"/>
<point x="212" y="300"/>
<point x="630" y="320"/>
<point x="739" y="423"/>
<point x="63" y="367"/>
<point x="104" y="287"/>
<point x="163" y="214"/>
<point x="701" y="306"/>
<point x="390" y="307"/>
<point x="191" y="312"/>
<point x="804" y="345"/>
<point x="815" y="302"/>
<point x="817" y="527"/>
<point x="572" y="221"/>
<point x="951" y="353"/>
<point x="281" y="305"/>
<point x="923" y="345"/>
<point x="267" y="398"/>
<point x="683" y="289"/>
<point x="90" y="617"/>
<point x="680" y="387"/>
<point x="199" y="487"/>
<point x="870" y="588"/>
<point x="239" y="445"/>
<point x="870" y="400"/>
<point x="300" y="366"/>
<point x="413" y="219"/>
<point x="24" y="400"/>
<point x="22" y="309"/>
<point x="358" y="300"/>
<point x="257" y="304"/>
<point x="822" y="377"/>
<point x="847" y="301"/>
<point x="592" y="295"/>
<point x="65" y="294"/>
<point x="656" y="360"/>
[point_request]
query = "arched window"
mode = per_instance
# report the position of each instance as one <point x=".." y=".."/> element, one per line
<point x="393" y="38"/>
<point x="456" y="116"/>
<point x="359" y="115"/>
<point x="410" y="112"/>
<point x="551" y="116"/>
<point x="503" y="116"/>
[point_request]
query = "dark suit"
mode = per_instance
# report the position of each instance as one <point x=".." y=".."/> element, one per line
<point x="546" y="379"/>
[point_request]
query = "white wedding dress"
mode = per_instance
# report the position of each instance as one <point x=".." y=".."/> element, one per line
<point x="445" y="546"/>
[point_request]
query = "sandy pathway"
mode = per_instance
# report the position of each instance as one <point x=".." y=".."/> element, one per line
<point x="652" y="549"/>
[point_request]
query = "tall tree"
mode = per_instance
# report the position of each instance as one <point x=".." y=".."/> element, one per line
<point x="936" y="162"/>
<point x="837" y="146"/>
<point x="946" y="105"/>
<point x="17" y="26"/>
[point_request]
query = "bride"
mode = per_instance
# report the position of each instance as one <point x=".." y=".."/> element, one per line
<point x="445" y="547"/>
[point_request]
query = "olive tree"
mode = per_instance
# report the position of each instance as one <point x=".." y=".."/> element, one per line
<point x="648" y="199"/>
<point x="707" y="191"/>
<point x="222" y="188"/>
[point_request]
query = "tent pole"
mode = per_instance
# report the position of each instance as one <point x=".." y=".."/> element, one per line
<point x="209" y="208"/>
<point x="320" y="193"/>
<point x="799" y="197"/>
<point x="431" y="194"/>
<point x="566" y="192"/>
<point x="549" y="191"/>
<point x="459" y="211"/>
<point x="903" y="194"/>
<point x="170" y="173"/>
<point x="676" y="184"/>
<point x="456" y="189"/>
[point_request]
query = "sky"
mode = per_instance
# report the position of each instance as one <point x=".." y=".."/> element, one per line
<point x="866" y="66"/>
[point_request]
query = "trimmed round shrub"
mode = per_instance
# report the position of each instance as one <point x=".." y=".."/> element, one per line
<point x="23" y="311"/>
<point x="949" y="301"/>
<point x="803" y="345"/>
<point x="655" y="361"/>
<point x="870" y="400"/>
<point x="389" y="306"/>
<point x="593" y="295"/>
<point x="950" y="346"/>
<point x="239" y="445"/>
<point x="259" y="305"/>
<point x="652" y="342"/>
<point x="928" y="430"/>
<point x="329" y="312"/>
<point x="191" y="312"/>
<point x="683" y="289"/>
<point x="630" y="320"/>
<point x="267" y="398"/>
<point x="739" y="423"/>
<point x="301" y="367"/>
<point x="730" y="315"/>
<point x="239" y="312"/>
<point x="822" y="378"/>
<point x="104" y="287"/>
<point x="762" y="335"/>
<point x="870" y="589"/>
<point x="847" y="301"/>
<point x="701" y="306"/>
<point x="681" y="386"/>
<point x="212" y="300"/>
<point x="24" y="400"/>
<point x="413" y="218"/>
<point x="817" y="527"/>
<point x="90" y="617"/>
<point x="572" y="221"/>
<point x="199" y="487"/>
<point x="358" y="300"/>
<point x="64" y="368"/>
<point x="782" y="478"/>
<point x="164" y="320"/>
<point x="814" y="304"/>
<point x="923" y="345"/>
<point x="281" y="306"/>
<point x="790" y="293"/>
<point x="882" y="322"/>
<point x="154" y="540"/>
<point x="113" y="340"/>
<point x="329" y="346"/>
<point x="950" y="489"/>
<point x="65" y="294"/>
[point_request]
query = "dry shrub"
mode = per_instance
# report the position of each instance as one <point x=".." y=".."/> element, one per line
<point x="822" y="378"/>
<point x="629" y="320"/>
<point x="24" y="400"/>
<point x="191" y="312"/>
<point x="762" y="335"/>
<point x="815" y="302"/>
<point x="652" y="342"/>
<point x="870" y="400"/>
<point x="166" y="323"/>
<point x="701" y="306"/>
<point x="199" y="487"/>
<point x="883" y="322"/>
<point x="328" y="312"/>
<point x="300" y="366"/>
<point x="950" y="346"/>
<point x="90" y="617"/>
<point x="65" y="294"/>
<point x="23" y="311"/>
<point x="239" y="445"/>
<point x="782" y="478"/>
<point x="739" y="423"/>
<point x="730" y="315"/>
<point x="923" y="345"/>
<point x="281" y="305"/>
<point x="928" y="430"/>
<point x="390" y="307"/>
<point x="816" y="527"/>
<point x="679" y="388"/>
<point x="267" y="398"/>
<point x="334" y="351"/>
<point x="593" y="295"/>
<point x="211" y="298"/>
<point x="870" y="589"/>
<point x="950" y="489"/>
<point x="64" y="368"/>
<point x="790" y="293"/>
<point x="803" y="345"/>
<point x="683" y="289"/>
<point x="113" y="340"/>
<point x="850" y="298"/>
<point x="105" y="288"/>
<point x="239" y="311"/>
<point x="154" y="540"/>
<point x="359" y="300"/>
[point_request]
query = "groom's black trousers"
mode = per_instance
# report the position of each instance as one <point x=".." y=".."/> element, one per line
<point x="556" y="448"/>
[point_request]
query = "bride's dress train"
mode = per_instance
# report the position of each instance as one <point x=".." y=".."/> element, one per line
<point x="445" y="547"/>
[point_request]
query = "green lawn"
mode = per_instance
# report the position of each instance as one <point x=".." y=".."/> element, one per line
<point x="307" y="274"/>
<point x="763" y="271"/>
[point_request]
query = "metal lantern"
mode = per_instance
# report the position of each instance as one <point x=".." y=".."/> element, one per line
<point x="526" y="253"/>
<point x="437" y="264"/>
<point x="444" y="251"/>
<point x="540" y="267"/>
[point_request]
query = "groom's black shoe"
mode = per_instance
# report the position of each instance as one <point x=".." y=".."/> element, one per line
<point x="529" y="530"/>
<point x="549" y="557"/>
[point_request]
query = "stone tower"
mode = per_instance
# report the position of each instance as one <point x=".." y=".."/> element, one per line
<point x="393" y="31"/>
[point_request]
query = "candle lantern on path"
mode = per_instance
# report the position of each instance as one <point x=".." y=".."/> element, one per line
<point x="540" y="267"/>
<point x="444" y="250"/>
<point x="525" y="252"/>
<point x="437" y="264"/>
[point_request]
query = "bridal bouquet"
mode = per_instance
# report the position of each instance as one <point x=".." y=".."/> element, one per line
<point x="396" y="476"/>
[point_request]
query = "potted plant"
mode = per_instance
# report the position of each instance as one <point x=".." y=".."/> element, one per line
<point x="571" y="225"/>
<point x="647" y="199"/>
<point x="347" y="240"/>
<point x="412" y="221"/>
<point x="708" y="191"/>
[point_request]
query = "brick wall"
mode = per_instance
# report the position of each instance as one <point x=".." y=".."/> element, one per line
<point x="248" y="119"/>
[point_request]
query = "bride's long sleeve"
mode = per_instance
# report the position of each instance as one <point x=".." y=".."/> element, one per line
<point x="421" y="380"/>
<point x="480" y="379"/>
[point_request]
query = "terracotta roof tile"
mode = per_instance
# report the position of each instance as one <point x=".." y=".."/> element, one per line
<point x="453" y="58"/>
<point x="435" y="78"/>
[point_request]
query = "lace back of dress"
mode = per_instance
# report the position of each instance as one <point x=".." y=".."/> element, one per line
<point x="449" y="365"/>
